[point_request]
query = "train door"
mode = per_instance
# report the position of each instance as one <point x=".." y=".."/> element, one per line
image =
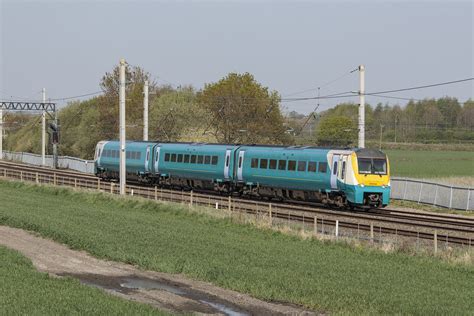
<point x="342" y="170"/>
<point x="147" y="159"/>
<point x="240" y="166"/>
<point x="98" y="152"/>
<point x="227" y="164"/>
<point x="157" y="159"/>
<point x="335" y="163"/>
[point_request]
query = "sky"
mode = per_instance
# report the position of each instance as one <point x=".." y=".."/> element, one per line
<point x="289" y="46"/>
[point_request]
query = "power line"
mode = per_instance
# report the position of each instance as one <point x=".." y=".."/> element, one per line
<point x="323" y="85"/>
<point x="422" y="87"/>
<point x="78" y="96"/>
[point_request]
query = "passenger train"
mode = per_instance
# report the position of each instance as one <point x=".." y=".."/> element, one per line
<point x="337" y="177"/>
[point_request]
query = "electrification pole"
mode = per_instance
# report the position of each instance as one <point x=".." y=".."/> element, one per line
<point x="145" y="111"/>
<point x="1" y="131"/>
<point x="43" y="131"/>
<point x="122" y="127"/>
<point x="362" y="106"/>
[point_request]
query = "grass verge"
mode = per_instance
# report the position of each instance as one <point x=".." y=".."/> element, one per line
<point x="24" y="291"/>
<point x="273" y="266"/>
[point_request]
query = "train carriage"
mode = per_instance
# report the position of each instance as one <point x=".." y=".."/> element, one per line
<point x="195" y="165"/>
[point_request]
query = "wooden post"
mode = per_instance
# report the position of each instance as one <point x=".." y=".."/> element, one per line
<point x="229" y="205"/>
<point x="98" y="184"/>
<point x="337" y="228"/>
<point x="372" y="233"/>
<point x="270" y="213"/>
<point x="435" y="240"/>
<point x="54" y="178"/>
<point x="191" y="198"/>
<point x="315" y="225"/>
<point x="37" y="178"/>
<point x="21" y="176"/>
<point x="75" y="182"/>
<point x="156" y="193"/>
<point x="111" y="188"/>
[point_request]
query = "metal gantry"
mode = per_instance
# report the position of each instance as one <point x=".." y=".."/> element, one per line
<point x="44" y="107"/>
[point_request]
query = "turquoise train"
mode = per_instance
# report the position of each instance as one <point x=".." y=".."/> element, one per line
<point x="337" y="177"/>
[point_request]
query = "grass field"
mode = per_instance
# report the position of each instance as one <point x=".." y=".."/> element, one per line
<point x="324" y="276"/>
<point x="431" y="164"/>
<point x="24" y="291"/>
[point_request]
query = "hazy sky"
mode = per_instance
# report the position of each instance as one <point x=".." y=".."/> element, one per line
<point x="288" y="46"/>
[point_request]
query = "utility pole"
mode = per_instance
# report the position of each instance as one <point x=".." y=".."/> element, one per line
<point x="43" y="131"/>
<point x="361" y="106"/>
<point x="122" y="127"/>
<point x="381" y="131"/>
<point x="1" y="132"/>
<point x="145" y="111"/>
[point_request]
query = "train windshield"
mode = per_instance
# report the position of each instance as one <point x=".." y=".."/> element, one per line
<point x="372" y="166"/>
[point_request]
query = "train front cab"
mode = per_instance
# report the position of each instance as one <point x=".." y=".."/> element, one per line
<point x="364" y="177"/>
<point x="372" y="174"/>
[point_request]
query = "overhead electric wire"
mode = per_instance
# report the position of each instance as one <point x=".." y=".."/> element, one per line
<point x="422" y="87"/>
<point x="323" y="85"/>
<point x="78" y="96"/>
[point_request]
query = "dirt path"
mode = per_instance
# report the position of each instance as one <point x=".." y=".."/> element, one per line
<point x="170" y="292"/>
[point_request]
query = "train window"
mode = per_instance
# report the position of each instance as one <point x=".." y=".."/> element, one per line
<point x="263" y="163"/>
<point x="207" y="160"/>
<point x="193" y="158"/>
<point x="254" y="163"/>
<point x="273" y="164"/>
<point x="180" y="158"/>
<point x="139" y="155"/>
<point x="343" y="169"/>
<point x="127" y="154"/>
<point x="281" y="164"/>
<point x="291" y="165"/>
<point x="214" y="160"/>
<point x="200" y="159"/>
<point x="323" y="167"/>
<point x="334" y="169"/>
<point x="135" y="155"/>
<point x="117" y="153"/>
<point x="365" y="165"/>
<point x="186" y="159"/>
<point x="301" y="165"/>
<point x="227" y="161"/>
<point x="311" y="166"/>
<point x="167" y="157"/>
<point x="379" y="166"/>
<point x="240" y="162"/>
<point x="157" y="157"/>
<point x="173" y="157"/>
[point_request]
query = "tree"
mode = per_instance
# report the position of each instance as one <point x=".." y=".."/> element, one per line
<point x="109" y="104"/>
<point x="174" y="114"/>
<point x="243" y="111"/>
<point x="336" y="131"/>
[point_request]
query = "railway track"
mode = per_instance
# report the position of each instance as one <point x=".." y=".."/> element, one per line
<point x="422" y="225"/>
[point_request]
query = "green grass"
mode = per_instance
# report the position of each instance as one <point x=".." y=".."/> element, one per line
<point x="431" y="164"/>
<point x="328" y="277"/>
<point x="24" y="291"/>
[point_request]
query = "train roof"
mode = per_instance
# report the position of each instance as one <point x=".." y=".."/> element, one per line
<point x="295" y="147"/>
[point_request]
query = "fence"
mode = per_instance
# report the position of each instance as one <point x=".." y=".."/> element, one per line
<point x="64" y="162"/>
<point x="452" y="197"/>
<point x="437" y="194"/>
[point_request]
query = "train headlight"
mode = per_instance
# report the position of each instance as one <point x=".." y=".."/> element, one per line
<point x="361" y="185"/>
